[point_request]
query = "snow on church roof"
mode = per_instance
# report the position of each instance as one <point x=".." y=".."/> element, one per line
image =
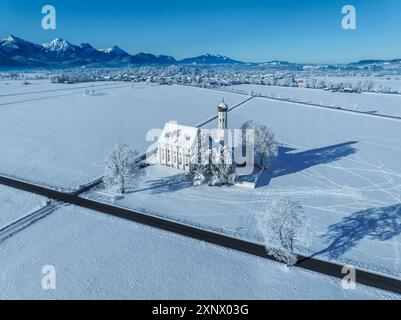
<point x="222" y="105"/>
<point x="178" y="135"/>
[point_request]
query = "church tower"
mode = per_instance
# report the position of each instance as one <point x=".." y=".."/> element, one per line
<point x="222" y="126"/>
<point x="223" y="109"/>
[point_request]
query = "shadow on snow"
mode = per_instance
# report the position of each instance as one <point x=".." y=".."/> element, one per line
<point x="168" y="184"/>
<point x="374" y="224"/>
<point x="288" y="162"/>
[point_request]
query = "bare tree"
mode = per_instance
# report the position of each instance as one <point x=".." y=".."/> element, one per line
<point x="280" y="229"/>
<point x="121" y="171"/>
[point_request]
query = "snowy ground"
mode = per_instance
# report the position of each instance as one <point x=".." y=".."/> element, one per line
<point x="344" y="168"/>
<point x="62" y="141"/>
<point x="20" y="87"/>
<point x="17" y="92"/>
<point x="15" y="204"/>
<point x="99" y="257"/>
<point x="387" y="104"/>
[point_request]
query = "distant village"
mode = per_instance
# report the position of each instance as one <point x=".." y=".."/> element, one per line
<point x="216" y="77"/>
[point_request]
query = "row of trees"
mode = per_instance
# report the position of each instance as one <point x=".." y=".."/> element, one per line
<point x="357" y="86"/>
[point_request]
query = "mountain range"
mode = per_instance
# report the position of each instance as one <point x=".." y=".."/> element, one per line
<point x="16" y="52"/>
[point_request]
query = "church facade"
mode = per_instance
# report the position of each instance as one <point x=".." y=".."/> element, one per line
<point x="178" y="144"/>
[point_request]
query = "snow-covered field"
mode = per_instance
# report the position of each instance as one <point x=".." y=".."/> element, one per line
<point x="387" y="104"/>
<point x="98" y="257"/>
<point x="19" y="87"/>
<point x="344" y="168"/>
<point x="62" y="141"/>
<point x="17" y="91"/>
<point x="15" y="204"/>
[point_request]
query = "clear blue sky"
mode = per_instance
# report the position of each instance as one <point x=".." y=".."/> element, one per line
<point x="252" y="30"/>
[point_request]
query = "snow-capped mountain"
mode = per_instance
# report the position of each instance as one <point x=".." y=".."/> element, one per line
<point x="12" y="44"/>
<point x="61" y="53"/>
<point x="88" y="49"/>
<point x="15" y="51"/>
<point x="274" y="63"/>
<point x="59" y="45"/>
<point x="210" y="59"/>
<point x="22" y="52"/>
<point x="114" y="51"/>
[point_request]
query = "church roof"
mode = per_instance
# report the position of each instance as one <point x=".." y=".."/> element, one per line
<point x="179" y="135"/>
<point x="222" y="105"/>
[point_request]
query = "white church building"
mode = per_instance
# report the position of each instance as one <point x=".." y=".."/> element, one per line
<point x="177" y="143"/>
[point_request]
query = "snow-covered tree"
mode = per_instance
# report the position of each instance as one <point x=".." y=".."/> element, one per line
<point x="222" y="166"/>
<point x="320" y="84"/>
<point x="280" y="229"/>
<point x="122" y="171"/>
<point x="200" y="160"/>
<point x="264" y="142"/>
<point x="367" y="86"/>
<point x="200" y="175"/>
<point x="212" y="165"/>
